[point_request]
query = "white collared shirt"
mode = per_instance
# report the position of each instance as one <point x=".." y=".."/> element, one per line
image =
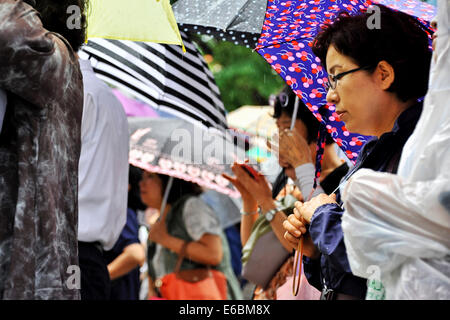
<point x="103" y="166"/>
<point x="2" y="107"/>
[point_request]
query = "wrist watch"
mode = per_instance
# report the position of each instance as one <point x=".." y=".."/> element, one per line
<point x="270" y="214"/>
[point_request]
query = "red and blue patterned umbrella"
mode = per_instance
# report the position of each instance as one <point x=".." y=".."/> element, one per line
<point x="285" y="42"/>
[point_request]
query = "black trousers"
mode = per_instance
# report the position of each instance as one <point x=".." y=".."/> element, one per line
<point x="95" y="281"/>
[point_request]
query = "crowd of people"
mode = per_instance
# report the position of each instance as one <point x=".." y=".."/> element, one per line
<point x="71" y="206"/>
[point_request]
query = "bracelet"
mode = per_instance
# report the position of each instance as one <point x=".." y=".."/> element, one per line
<point x="249" y="213"/>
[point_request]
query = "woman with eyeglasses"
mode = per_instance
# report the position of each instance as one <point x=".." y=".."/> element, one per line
<point x="376" y="78"/>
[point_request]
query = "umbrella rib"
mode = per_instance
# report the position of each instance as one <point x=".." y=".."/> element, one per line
<point x="247" y="3"/>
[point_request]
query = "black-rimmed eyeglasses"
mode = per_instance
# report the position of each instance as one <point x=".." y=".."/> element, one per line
<point x="333" y="79"/>
<point x="283" y="98"/>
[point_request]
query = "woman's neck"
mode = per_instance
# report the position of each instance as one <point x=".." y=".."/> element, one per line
<point x="395" y="109"/>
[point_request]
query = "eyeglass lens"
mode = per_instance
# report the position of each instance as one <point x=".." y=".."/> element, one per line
<point x="284" y="99"/>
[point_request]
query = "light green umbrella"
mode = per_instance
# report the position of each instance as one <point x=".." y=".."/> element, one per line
<point x="135" y="20"/>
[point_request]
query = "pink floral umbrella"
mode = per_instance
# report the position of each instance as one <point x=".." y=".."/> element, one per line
<point x="182" y="150"/>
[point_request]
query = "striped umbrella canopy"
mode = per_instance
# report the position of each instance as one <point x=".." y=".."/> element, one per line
<point x="162" y="76"/>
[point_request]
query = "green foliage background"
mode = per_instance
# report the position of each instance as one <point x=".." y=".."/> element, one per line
<point x="242" y="75"/>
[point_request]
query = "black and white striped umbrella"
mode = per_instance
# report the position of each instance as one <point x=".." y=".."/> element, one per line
<point x="161" y="76"/>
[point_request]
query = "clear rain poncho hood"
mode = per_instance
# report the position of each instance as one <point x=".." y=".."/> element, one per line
<point x="397" y="226"/>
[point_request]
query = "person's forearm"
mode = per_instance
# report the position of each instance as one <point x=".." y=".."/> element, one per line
<point x="123" y="264"/>
<point x="128" y="260"/>
<point x="247" y="220"/>
<point x="277" y="223"/>
<point x="196" y="251"/>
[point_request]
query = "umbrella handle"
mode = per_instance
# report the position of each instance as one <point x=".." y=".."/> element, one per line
<point x="298" y="258"/>
<point x="294" y="113"/>
<point x="166" y="195"/>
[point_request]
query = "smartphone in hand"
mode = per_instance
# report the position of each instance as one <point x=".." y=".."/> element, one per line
<point x="251" y="172"/>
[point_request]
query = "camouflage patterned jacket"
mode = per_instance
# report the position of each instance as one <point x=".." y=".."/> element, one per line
<point x="39" y="152"/>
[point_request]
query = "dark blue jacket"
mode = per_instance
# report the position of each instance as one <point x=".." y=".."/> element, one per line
<point x="332" y="267"/>
<point x="127" y="286"/>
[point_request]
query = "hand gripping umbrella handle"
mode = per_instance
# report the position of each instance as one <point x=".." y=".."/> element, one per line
<point x="299" y="257"/>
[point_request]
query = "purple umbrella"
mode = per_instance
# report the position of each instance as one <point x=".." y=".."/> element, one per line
<point x="286" y="40"/>
<point x="134" y="108"/>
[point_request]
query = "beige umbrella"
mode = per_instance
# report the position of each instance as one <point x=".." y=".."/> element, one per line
<point x="255" y="120"/>
<point x="258" y="123"/>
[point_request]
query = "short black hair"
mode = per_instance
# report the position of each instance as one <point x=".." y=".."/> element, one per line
<point x="303" y="114"/>
<point x="134" y="195"/>
<point x="54" y="18"/>
<point x="179" y="188"/>
<point x="401" y="40"/>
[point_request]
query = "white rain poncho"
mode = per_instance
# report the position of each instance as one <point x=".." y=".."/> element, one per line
<point x="397" y="227"/>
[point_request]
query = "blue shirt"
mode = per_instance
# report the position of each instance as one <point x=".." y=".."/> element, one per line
<point x="127" y="286"/>
<point x="332" y="268"/>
